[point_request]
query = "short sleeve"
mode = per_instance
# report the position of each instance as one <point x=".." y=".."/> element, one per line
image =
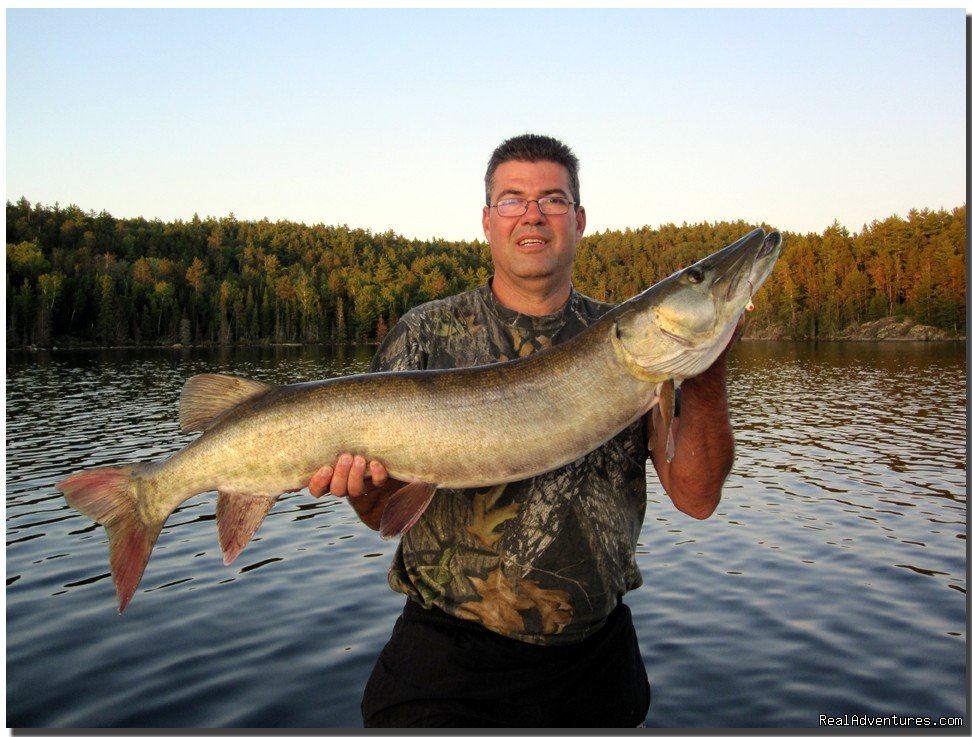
<point x="401" y="350"/>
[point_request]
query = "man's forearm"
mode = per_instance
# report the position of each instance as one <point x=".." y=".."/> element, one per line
<point x="704" y="447"/>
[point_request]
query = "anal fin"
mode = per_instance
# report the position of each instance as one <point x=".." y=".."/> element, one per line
<point x="237" y="517"/>
<point x="405" y="507"/>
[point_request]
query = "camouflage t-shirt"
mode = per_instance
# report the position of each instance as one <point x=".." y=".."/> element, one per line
<point x="541" y="560"/>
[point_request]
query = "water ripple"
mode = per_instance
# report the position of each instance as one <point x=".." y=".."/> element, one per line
<point x="834" y="564"/>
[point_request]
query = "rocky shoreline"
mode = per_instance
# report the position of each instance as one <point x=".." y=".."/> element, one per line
<point x="886" y="329"/>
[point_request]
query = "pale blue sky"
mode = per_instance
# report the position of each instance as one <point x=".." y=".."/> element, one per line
<point x="385" y="119"/>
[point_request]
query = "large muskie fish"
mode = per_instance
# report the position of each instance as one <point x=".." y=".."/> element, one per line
<point x="440" y="428"/>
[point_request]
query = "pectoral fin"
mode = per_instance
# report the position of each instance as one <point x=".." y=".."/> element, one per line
<point x="238" y="516"/>
<point x="667" y="412"/>
<point x="404" y="508"/>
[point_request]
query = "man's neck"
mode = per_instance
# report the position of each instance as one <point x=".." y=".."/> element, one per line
<point x="536" y="300"/>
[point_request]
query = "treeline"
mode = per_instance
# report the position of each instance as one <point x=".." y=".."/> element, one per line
<point x="822" y="283"/>
<point x="77" y="277"/>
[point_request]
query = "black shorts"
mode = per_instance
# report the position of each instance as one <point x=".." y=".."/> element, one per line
<point x="440" y="671"/>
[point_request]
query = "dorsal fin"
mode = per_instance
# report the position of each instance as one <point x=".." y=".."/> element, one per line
<point x="207" y="397"/>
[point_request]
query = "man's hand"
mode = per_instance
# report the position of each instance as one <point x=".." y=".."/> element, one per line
<point x="347" y="477"/>
<point x="368" y="495"/>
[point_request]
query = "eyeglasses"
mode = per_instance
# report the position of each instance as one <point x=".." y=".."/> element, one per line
<point x="512" y="208"/>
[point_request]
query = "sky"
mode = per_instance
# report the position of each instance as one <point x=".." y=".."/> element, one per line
<point x="385" y="119"/>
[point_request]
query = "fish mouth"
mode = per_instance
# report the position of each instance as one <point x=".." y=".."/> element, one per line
<point x="770" y="242"/>
<point x="740" y="269"/>
<point x="765" y="261"/>
<point x="677" y="338"/>
<point x="734" y="265"/>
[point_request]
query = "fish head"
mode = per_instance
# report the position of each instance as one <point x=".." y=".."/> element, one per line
<point x="678" y="327"/>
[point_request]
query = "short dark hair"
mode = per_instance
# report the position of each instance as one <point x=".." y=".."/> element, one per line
<point x="533" y="147"/>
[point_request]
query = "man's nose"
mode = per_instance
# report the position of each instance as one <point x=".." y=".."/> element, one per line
<point x="533" y="213"/>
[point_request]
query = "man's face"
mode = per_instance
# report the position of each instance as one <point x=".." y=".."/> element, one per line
<point x="533" y="250"/>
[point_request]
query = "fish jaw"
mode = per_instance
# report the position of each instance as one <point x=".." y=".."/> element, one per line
<point x="678" y="327"/>
<point x="765" y="261"/>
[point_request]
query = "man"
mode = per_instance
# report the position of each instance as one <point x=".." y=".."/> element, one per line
<point x="514" y="615"/>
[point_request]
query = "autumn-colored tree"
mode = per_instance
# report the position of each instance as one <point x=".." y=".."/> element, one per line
<point x="76" y="277"/>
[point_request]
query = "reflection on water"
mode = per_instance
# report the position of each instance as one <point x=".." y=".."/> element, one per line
<point x="831" y="579"/>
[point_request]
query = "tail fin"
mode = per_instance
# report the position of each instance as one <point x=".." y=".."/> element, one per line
<point x="105" y="495"/>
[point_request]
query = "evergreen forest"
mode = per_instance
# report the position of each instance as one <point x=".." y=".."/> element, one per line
<point x="78" y="278"/>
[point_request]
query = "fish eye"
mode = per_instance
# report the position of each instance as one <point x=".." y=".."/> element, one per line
<point x="695" y="275"/>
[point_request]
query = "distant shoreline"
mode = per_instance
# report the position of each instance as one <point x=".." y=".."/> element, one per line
<point x="868" y="333"/>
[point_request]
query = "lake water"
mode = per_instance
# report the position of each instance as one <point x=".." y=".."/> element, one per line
<point x="831" y="580"/>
